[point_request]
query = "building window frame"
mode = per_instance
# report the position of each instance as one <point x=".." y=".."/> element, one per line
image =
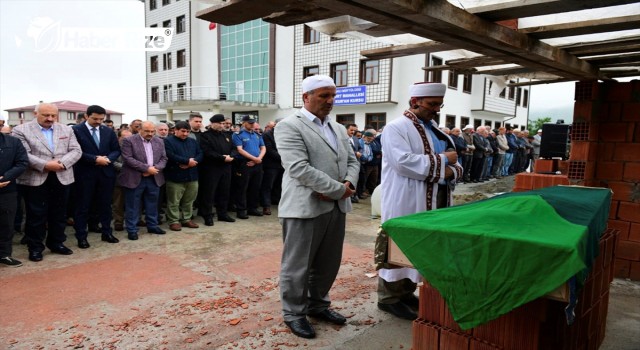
<point x="166" y="61"/>
<point x="467" y="83"/>
<point x="182" y="58"/>
<point x="339" y="73"/>
<point x="525" y="98"/>
<point x="309" y="71"/>
<point x="181" y="24"/>
<point x="453" y="79"/>
<point x="154" y="94"/>
<point x="181" y="91"/>
<point x="166" y="2"/>
<point x="310" y="36"/>
<point x="345" y="119"/>
<point x="435" y="76"/>
<point x="376" y="120"/>
<point x="153" y="4"/>
<point x="153" y="63"/>
<point x="166" y="24"/>
<point x="464" y="121"/>
<point x="450" y="121"/>
<point x="369" y="72"/>
<point x="512" y="91"/>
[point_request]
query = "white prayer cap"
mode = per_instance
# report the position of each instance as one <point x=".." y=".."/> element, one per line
<point x="316" y="81"/>
<point x="427" y="90"/>
<point x="539" y="130"/>
<point x="468" y="127"/>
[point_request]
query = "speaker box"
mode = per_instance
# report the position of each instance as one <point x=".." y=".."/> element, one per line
<point x="555" y="140"/>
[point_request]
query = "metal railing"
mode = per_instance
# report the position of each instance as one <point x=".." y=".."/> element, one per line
<point x="220" y="93"/>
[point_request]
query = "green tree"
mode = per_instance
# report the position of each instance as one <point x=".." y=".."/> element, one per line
<point x="536" y="124"/>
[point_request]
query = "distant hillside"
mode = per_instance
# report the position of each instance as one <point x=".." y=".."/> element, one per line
<point x="561" y="112"/>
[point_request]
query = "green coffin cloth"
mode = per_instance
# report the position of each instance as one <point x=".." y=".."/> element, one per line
<point x="489" y="257"/>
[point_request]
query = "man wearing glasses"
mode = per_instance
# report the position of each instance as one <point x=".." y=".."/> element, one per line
<point x="418" y="168"/>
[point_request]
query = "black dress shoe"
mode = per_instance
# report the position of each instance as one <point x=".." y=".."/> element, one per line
<point x="107" y="237"/>
<point x="133" y="236"/>
<point x="61" y="249"/>
<point x="242" y="214"/>
<point x="35" y="256"/>
<point x="208" y="221"/>
<point x="156" y="230"/>
<point x="301" y="328"/>
<point x="254" y="212"/>
<point x="83" y="243"/>
<point x="399" y="310"/>
<point x="226" y="218"/>
<point x="330" y="316"/>
<point x="412" y="302"/>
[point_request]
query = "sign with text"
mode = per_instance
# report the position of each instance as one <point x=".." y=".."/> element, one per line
<point x="352" y="95"/>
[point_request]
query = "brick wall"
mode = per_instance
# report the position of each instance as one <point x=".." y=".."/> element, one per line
<point x="605" y="152"/>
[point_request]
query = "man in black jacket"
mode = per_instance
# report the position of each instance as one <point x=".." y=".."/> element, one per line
<point x="13" y="162"/>
<point x="215" y="168"/>
<point x="273" y="170"/>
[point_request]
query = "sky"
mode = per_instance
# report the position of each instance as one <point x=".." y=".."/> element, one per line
<point x="34" y="67"/>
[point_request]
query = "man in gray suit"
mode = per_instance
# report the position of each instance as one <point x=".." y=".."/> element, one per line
<point x="53" y="150"/>
<point x="321" y="172"/>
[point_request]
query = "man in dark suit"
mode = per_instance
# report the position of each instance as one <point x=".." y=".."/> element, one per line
<point x="141" y="177"/>
<point x="272" y="170"/>
<point x="95" y="174"/>
<point x="53" y="150"/>
<point x="357" y="150"/>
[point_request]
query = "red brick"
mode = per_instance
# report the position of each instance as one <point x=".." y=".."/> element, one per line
<point x="425" y="335"/>
<point x="622" y="226"/>
<point x="621" y="190"/>
<point x="631" y="171"/>
<point x="586" y="111"/>
<point x="509" y="23"/>
<point x="609" y="170"/>
<point x="605" y="151"/>
<point x="617" y="92"/>
<point x="628" y="250"/>
<point x="627" y="152"/>
<point x="524" y="181"/>
<point x="613" y="210"/>
<point x="621" y="268"/>
<point x="636" y="132"/>
<point x="613" y="113"/>
<point x="634" y="232"/>
<point x="543" y="166"/>
<point x="563" y="166"/>
<point x="628" y="211"/>
<point x="631" y="111"/>
<point x="559" y="180"/>
<point x="587" y="91"/>
<point x="453" y="340"/>
<point x="583" y="151"/>
<point x="613" y="132"/>
<point x="634" y="271"/>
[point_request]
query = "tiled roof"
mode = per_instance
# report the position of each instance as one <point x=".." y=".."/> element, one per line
<point x="65" y="105"/>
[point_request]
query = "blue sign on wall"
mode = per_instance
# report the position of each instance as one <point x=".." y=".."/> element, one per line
<point x="352" y="95"/>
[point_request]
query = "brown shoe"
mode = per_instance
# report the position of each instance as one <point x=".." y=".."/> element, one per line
<point x="118" y="227"/>
<point x="190" y="224"/>
<point x="266" y="211"/>
<point x="175" y="227"/>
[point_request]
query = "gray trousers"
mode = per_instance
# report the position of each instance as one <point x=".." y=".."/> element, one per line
<point x="310" y="262"/>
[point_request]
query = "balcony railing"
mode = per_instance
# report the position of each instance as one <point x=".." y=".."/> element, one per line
<point x="220" y="93"/>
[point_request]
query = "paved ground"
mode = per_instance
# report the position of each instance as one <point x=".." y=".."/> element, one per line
<point x="211" y="288"/>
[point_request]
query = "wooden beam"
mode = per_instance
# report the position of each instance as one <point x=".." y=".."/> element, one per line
<point x="506" y="71"/>
<point x="406" y="50"/>
<point x="475" y="62"/>
<point x="527" y="8"/>
<point x="541" y="82"/>
<point x="616" y="59"/>
<point x="443" y="22"/>
<point x="604" y="47"/>
<point x="583" y="27"/>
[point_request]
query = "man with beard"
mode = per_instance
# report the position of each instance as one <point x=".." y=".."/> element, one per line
<point x="419" y="169"/>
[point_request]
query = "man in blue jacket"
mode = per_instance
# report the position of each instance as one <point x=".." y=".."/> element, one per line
<point x="181" y="173"/>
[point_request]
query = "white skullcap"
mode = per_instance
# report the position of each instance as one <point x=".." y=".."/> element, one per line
<point x="539" y="130"/>
<point x="468" y="127"/>
<point x="316" y="81"/>
<point x="427" y="90"/>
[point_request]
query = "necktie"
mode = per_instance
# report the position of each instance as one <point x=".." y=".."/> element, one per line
<point x="95" y="137"/>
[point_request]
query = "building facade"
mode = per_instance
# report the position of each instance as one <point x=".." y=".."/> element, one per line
<point x="67" y="113"/>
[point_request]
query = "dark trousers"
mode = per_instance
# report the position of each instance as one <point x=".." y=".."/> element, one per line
<point x="46" y="207"/>
<point x="467" y="160"/>
<point x="269" y="177"/>
<point x="360" y="187"/>
<point x="93" y="190"/>
<point x="476" y="168"/>
<point x="370" y="181"/>
<point x="214" y="182"/>
<point x="17" y="222"/>
<point x="8" y="206"/>
<point x="147" y="191"/>
<point x="248" y="180"/>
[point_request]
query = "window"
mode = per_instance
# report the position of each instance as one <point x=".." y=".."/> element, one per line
<point x="369" y="72"/>
<point x="166" y="24"/>
<point x="345" y="119"/>
<point x="497" y="125"/>
<point x="71" y="115"/>
<point x="487" y="123"/>
<point x="166" y="2"/>
<point x="525" y="99"/>
<point x="466" y="83"/>
<point x="376" y="120"/>
<point x="154" y="64"/>
<point x="512" y="91"/>
<point x="153" y="4"/>
<point x="311" y="36"/>
<point x="507" y="125"/>
<point x="182" y="87"/>
<point x="450" y="122"/>
<point x="182" y="58"/>
<point x="166" y="63"/>
<point x="453" y="79"/>
<point x="309" y="71"/>
<point x="181" y="22"/>
<point x="154" y="94"/>
<point x="435" y="76"/>
<point x="518" y="96"/>
<point x="166" y="90"/>
<point x="153" y="26"/>
<point x="339" y="73"/>
<point x="503" y="93"/>
<point x="464" y="121"/>
<point x="477" y="123"/>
